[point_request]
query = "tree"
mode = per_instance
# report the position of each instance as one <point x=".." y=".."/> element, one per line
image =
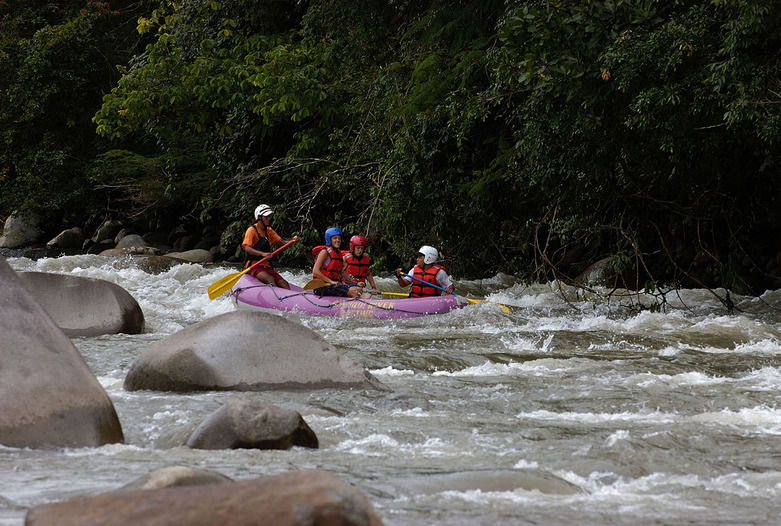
<point x="56" y="58"/>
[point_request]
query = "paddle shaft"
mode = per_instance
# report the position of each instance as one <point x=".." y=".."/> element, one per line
<point x="217" y="288"/>
<point x="505" y="308"/>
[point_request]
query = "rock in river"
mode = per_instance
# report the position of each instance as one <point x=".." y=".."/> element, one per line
<point x="49" y="397"/>
<point x="246" y="351"/>
<point x="244" y="423"/>
<point x="85" y="306"/>
<point x="299" y="498"/>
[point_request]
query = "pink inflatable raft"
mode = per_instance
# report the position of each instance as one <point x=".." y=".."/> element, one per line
<point x="251" y="293"/>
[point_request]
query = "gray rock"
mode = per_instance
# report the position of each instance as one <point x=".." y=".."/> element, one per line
<point x="20" y="230"/>
<point x="107" y="232"/>
<point x="174" y="477"/>
<point x="131" y="241"/>
<point x="84" y="306"/>
<point x="49" y="397"/>
<point x="192" y="256"/>
<point x="301" y="498"/>
<point x="244" y="423"/>
<point x="71" y="238"/>
<point x="246" y="351"/>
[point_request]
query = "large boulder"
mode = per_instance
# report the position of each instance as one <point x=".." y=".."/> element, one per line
<point x="131" y="241"/>
<point x="71" y="238"/>
<point x="246" y="351"/>
<point x="301" y="498"/>
<point x="49" y="397"/>
<point x="85" y="306"/>
<point x="196" y="255"/>
<point x="244" y="423"/>
<point x="20" y="230"/>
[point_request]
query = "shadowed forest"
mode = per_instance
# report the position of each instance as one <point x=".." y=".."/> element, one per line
<point x="533" y="138"/>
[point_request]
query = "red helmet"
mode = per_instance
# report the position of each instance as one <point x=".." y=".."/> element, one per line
<point x="357" y="241"/>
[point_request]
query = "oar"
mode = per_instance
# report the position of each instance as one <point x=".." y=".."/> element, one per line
<point x="505" y="308"/>
<point x="218" y="288"/>
<point x="315" y="283"/>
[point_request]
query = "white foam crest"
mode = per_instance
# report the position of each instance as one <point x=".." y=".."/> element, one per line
<point x="535" y="367"/>
<point x="371" y="445"/>
<point x="689" y="378"/>
<point x="526" y="464"/>
<point x="763" y="419"/>
<point x="111" y="383"/>
<point x="106" y="450"/>
<point x="764" y="379"/>
<point x="616" y="436"/>
<point x="540" y="343"/>
<point x="391" y="371"/>
<point x="655" y="417"/>
<point x="615" y="488"/>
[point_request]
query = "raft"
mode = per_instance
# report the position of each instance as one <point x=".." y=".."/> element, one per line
<point x="249" y="292"/>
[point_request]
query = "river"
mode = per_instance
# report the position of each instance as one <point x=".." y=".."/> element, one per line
<point x="583" y="411"/>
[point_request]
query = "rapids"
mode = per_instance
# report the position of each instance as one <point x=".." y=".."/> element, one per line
<point x="583" y="411"/>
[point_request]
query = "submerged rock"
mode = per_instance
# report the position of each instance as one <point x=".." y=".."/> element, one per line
<point x="301" y="498"/>
<point x="85" y="306"/>
<point x="175" y="477"/>
<point x="246" y="351"/>
<point x="243" y="423"/>
<point x="49" y="397"/>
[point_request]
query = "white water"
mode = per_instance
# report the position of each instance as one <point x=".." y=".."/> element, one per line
<point x="558" y="413"/>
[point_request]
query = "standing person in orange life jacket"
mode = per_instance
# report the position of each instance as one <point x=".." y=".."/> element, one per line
<point x="257" y="245"/>
<point x="329" y="267"/>
<point x="356" y="263"/>
<point x="426" y="270"/>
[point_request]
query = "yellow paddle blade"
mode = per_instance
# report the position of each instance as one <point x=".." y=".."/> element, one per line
<point x="218" y="288"/>
<point x="313" y="284"/>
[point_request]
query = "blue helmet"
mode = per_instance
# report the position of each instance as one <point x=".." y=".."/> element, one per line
<point x="336" y="231"/>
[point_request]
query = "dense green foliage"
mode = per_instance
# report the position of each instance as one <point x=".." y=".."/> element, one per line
<point x="528" y="136"/>
<point x="57" y="60"/>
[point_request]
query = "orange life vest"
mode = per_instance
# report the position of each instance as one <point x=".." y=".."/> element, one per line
<point x="421" y="290"/>
<point x="262" y="245"/>
<point x="357" y="268"/>
<point x="333" y="266"/>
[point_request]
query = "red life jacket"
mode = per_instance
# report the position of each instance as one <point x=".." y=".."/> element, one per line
<point x="333" y="266"/>
<point x="357" y="268"/>
<point x="421" y="290"/>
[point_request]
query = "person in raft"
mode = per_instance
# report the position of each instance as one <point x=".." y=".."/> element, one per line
<point x="427" y="270"/>
<point x="257" y="245"/>
<point x="329" y="267"/>
<point x="356" y="263"/>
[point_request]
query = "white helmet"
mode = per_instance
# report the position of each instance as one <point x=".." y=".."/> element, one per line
<point x="430" y="254"/>
<point x="263" y="210"/>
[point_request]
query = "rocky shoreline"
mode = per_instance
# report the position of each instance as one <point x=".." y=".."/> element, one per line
<point x="23" y="236"/>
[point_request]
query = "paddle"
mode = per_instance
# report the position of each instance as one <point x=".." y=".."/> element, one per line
<point x="218" y="288"/>
<point x="316" y="283"/>
<point x="505" y="308"/>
